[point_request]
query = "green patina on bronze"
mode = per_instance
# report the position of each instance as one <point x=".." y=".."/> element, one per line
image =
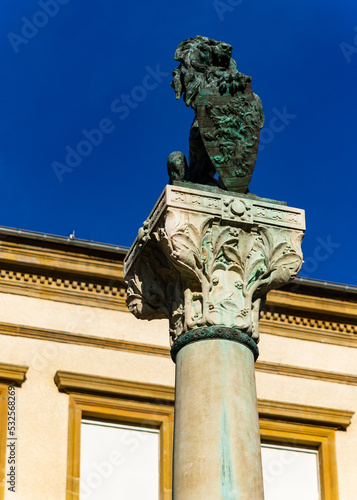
<point x="229" y="488"/>
<point x="213" y="332"/>
<point x="224" y="136"/>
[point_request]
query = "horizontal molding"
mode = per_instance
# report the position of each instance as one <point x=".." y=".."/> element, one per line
<point x="15" y="374"/>
<point x="326" y="333"/>
<point x="82" y="340"/>
<point x="69" y="289"/>
<point x="293" y="320"/>
<point x="339" y="419"/>
<point x="67" y="260"/>
<point x="63" y="273"/>
<point x="297" y="371"/>
<point x="70" y="382"/>
<point x="312" y="304"/>
<point x="272" y="328"/>
<point x="149" y="349"/>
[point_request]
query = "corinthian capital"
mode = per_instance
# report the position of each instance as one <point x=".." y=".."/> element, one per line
<point x="205" y="259"/>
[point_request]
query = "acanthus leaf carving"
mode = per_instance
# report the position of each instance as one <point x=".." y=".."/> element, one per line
<point x="199" y="271"/>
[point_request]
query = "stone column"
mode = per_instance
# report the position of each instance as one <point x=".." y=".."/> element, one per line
<point x="217" y="445"/>
<point x="204" y="259"/>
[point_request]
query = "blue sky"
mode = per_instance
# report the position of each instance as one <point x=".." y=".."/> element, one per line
<point x="107" y="64"/>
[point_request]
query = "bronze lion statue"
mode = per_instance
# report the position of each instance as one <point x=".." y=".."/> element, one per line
<point x="224" y="135"/>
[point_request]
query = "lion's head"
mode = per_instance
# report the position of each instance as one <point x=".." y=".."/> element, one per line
<point x="202" y="62"/>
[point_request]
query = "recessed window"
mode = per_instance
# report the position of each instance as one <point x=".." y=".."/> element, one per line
<point x="118" y="461"/>
<point x="290" y="473"/>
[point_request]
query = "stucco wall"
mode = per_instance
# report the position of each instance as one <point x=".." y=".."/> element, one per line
<point x="42" y="411"/>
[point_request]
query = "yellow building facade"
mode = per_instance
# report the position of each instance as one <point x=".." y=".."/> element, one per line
<point x="73" y="352"/>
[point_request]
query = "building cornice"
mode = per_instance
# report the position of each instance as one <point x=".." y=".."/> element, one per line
<point x="313" y="330"/>
<point x="64" y="260"/>
<point x="49" y="239"/>
<point x="76" y="275"/>
<point x="312" y="304"/>
<point x="85" y="290"/>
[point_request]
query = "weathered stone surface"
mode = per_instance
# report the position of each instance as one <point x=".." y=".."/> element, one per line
<point x="217" y="442"/>
<point x="205" y="258"/>
<point x="224" y="136"/>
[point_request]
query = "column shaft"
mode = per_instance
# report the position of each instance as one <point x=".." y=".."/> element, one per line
<point x="216" y="442"/>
